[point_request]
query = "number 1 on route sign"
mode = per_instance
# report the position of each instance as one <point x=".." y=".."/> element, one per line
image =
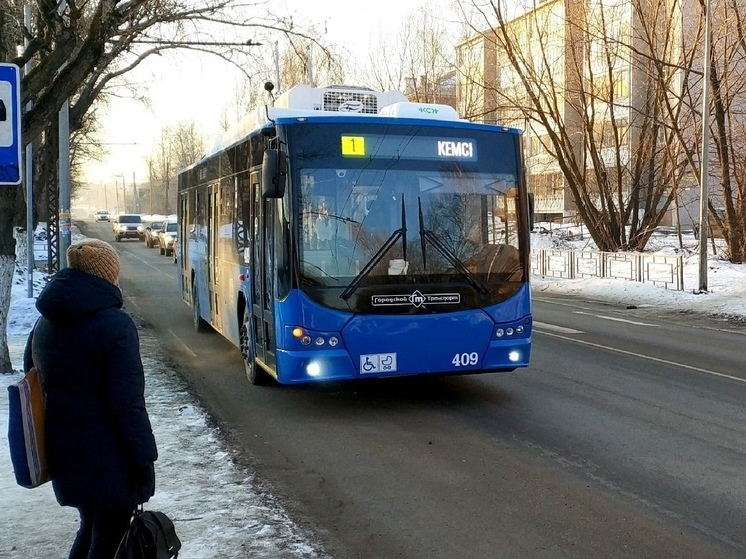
<point x="10" y="124"/>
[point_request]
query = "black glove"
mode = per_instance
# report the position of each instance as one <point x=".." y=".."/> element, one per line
<point x="145" y="482"/>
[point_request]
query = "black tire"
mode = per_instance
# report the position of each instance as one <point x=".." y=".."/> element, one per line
<point x="199" y="323"/>
<point x="162" y="250"/>
<point x="254" y="372"/>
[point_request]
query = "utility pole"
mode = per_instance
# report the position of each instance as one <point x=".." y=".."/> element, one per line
<point x="29" y="171"/>
<point x="121" y="209"/>
<point x="703" y="179"/>
<point x="309" y="66"/>
<point x="137" y="197"/>
<point x="124" y="194"/>
<point x="277" y="72"/>
<point x="150" y="180"/>
<point x="65" y="222"/>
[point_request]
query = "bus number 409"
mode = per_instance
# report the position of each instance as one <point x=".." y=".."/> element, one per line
<point x="465" y="359"/>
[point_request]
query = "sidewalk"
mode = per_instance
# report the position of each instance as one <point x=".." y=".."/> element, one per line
<point x="220" y="510"/>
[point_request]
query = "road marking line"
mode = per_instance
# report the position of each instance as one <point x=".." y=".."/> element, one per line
<point x="617" y="319"/>
<point x="641" y="356"/>
<point x="560" y="329"/>
<point x="146" y="263"/>
<point x="183" y="345"/>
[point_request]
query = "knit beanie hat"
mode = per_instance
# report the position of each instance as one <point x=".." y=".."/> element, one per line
<point x="95" y="257"/>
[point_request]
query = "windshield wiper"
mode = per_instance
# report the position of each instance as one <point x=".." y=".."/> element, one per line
<point x="447" y="253"/>
<point x="378" y="256"/>
<point x="341" y="218"/>
<point x="320" y="269"/>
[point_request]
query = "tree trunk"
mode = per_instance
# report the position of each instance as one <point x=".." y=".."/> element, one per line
<point x="8" y="198"/>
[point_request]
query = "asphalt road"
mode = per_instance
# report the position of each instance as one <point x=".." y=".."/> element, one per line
<point x="626" y="438"/>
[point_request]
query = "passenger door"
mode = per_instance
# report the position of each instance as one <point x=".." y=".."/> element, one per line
<point x="262" y="273"/>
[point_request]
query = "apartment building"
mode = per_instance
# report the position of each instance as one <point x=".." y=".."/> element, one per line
<point x="587" y="80"/>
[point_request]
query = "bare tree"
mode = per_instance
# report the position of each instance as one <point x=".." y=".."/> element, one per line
<point x="79" y="49"/>
<point x="247" y="93"/>
<point x="177" y="148"/>
<point x="475" y="74"/>
<point x="612" y="100"/>
<point x="295" y="56"/>
<point x="583" y="78"/>
<point x="419" y="60"/>
<point x="301" y="55"/>
<point x="727" y="181"/>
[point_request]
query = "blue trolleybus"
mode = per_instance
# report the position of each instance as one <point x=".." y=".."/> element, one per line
<point x="346" y="233"/>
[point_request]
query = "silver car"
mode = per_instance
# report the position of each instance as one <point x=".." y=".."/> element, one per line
<point x="167" y="236"/>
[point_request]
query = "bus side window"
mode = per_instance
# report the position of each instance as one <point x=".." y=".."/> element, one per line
<point x="243" y="212"/>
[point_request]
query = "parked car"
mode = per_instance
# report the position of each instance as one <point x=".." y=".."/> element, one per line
<point x="167" y="236"/>
<point x="151" y="233"/>
<point x="103" y="215"/>
<point x="128" y="226"/>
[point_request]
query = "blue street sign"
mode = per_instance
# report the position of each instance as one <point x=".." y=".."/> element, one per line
<point x="10" y="124"/>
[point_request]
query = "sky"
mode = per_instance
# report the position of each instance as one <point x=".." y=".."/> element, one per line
<point x="217" y="504"/>
<point x="183" y="87"/>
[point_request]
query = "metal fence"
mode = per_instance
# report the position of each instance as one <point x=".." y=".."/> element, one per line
<point x="661" y="270"/>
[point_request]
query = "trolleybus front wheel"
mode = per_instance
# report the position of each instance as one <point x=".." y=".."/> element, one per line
<point x="253" y="372"/>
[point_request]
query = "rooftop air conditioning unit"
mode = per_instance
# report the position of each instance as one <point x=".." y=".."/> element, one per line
<point x="338" y="98"/>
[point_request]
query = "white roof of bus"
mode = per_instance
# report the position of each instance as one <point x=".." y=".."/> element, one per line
<point x="305" y="101"/>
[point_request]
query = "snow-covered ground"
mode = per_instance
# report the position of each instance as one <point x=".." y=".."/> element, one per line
<point x="220" y="510"/>
<point x="726" y="282"/>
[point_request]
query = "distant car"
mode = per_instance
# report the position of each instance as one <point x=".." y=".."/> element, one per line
<point x="151" y="233"/>
<point x="128" y="226"/>
<point x="103" y="215"/>
<point x="167" y="236"/>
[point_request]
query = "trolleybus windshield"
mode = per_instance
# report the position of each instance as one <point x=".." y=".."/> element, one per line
<point x="384" y="207"/>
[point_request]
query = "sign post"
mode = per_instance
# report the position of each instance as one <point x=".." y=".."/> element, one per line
<point x="10" y="125"/>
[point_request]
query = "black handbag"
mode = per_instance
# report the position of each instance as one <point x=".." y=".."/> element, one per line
<point x="151" y="535"/>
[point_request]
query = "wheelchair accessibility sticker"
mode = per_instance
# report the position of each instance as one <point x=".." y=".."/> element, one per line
<point x="378" y="363"/>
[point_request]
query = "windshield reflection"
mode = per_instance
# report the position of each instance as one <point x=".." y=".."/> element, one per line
<point x="451" y="219"/>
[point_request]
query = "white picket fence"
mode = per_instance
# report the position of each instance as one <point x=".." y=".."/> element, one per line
<point x="661" y="270"/>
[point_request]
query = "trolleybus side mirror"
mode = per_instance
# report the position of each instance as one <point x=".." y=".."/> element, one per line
<point x="530" y="211"/>
<point x="274" y="171"/>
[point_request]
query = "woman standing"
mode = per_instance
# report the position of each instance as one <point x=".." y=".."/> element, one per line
<point x="100" y="445"/>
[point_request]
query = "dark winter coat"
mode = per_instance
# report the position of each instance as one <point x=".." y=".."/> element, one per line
<point x="100" y="445"/>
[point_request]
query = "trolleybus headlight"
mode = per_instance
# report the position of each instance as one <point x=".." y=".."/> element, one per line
<point x="313" y="369"/>
<point x="514" y="356"/>
<point x="509" y="331"/>
<point x="499" y="333"/>
<point x="312" y="339"/>
<point x="519" y="329"/>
